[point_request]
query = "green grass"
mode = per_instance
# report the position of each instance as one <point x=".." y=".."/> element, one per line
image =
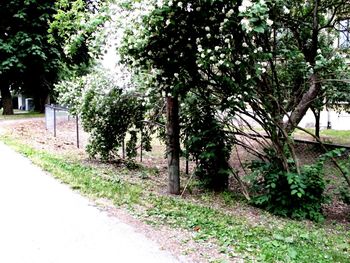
<point x="18" y="114"/>
<point x="269" y="239"/>
<point x="329" y="136"/>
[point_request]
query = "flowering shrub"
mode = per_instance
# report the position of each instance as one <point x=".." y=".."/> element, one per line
<point x="108" y="111"/>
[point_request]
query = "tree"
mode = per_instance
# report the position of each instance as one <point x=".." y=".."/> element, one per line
<point x="29" y="64"/>
<point x="258" y="60"/>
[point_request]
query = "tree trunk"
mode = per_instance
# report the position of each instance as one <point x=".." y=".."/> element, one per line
<point x="300" y="110"/>
<point x="6" y="99"/>
<point x="173" y="145"/>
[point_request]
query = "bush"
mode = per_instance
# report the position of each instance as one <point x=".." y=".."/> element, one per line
<point x="207" y="142"/>
<point x="289" y="194"/>
<point x="108" y="117"/>
<point x="109" y="110"/>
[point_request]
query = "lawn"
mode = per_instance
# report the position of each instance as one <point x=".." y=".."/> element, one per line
<point x="341" y="137"/>
<point x="19" y="114"/>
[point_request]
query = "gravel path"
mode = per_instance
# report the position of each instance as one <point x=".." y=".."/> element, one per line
<point x="44" y="221"/>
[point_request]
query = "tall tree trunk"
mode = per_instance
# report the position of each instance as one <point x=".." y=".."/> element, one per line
<point x="173" y="144"/>
<point x="6" y="99"/>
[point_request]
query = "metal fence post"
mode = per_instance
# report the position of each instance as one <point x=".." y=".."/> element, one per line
<point x="123" y="149"/>
<point x="186" y="164"/>
<point x="54" y="122"/>
<point x="141" y="149"/>
<point x="77" y="127"/>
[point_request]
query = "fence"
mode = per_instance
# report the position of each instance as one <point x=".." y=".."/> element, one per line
<point x="56" y="116"/>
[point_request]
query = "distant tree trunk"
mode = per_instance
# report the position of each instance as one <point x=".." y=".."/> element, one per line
<point x="6" y="99"/>
<point x="173" y="144"/>
<point x="317" y="114"/>
<point x="40" y="102"/>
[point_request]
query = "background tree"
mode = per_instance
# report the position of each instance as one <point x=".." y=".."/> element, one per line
<point x="29" y="63"/>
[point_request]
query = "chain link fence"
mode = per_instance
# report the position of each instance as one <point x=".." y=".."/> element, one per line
<point x="57" y="117"/>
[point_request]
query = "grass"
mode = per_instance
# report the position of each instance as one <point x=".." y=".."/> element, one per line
<point x="269" y="239"/>
<point x="329" y="136"/>
<point x="19" y="114"/>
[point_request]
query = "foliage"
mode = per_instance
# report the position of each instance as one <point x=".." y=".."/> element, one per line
<point x="78" y="27"/>
<point x="207" y="143"/>
<point x="345" y="194"/>
<point x="108" y="111"/>
<point x="131" y="145"/>
<point x="292" y="194"/>
<point x="29" y="63"/>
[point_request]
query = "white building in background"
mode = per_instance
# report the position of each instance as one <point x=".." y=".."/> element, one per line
<point x="338" y="121"/>
<point x="25" y="103"/>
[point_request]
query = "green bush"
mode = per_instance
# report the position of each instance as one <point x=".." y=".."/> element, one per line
<point x="289" y="194"/>
<point x="207" y="143"/>
<point x="109" y="109"/>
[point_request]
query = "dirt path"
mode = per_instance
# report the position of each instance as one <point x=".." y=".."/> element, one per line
<point x="43" y="221"/>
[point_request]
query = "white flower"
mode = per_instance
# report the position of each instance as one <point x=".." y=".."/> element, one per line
<point x="212" y="58"/>
<point x="221" y="62"/>
<point x="217" y="48"/>
<point x="149" y="53"/>
<point x="237" y="62"/>
<point x="170" y="3"/>
<point x="269" y="22"/>
<point x="208" y="50"/>
<point x="245" y="22"/>
<point x="176" y="75"/>
<point x="189" y="7"/>
<point x="242" y="9"/>
<point x="244" y="44"/>
<point x="245" y="5"/>
<point x="208" y="35"/>
<point x="260" y="49"/>
<point x="202" y="55"/>
<point x="198" y="9"/>
<point x="249" y="77"/>
<point x="167" y="22"/>
<point x="222" y="55"/>
<point x="229" y="13"/>
<point x="286" y="10"/>
<point x="227" y="40"/>
<point x="319" y="51"/>
<point x="180" y="4"/>
<point x="207" y="28"/>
